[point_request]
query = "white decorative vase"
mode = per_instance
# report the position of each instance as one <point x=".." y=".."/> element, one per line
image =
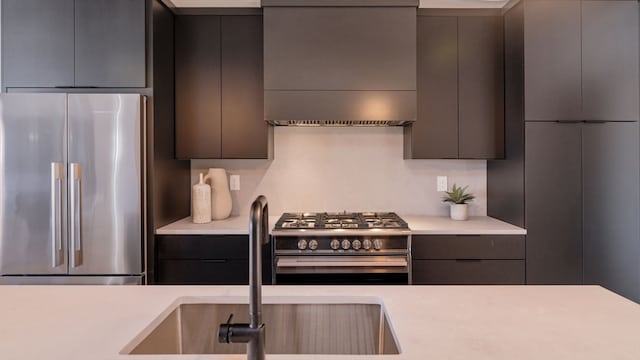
<point x="201" y="202"/>
<point x="459" y="211"/>
<point x="220" y="194"/>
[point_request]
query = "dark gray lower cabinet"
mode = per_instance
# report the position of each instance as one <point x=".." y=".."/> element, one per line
<point x="207" y="260"/>
<point x="582" y="196"/>
<point x="468" y="272"/>
<point x="611" y="185"/>
<point x="468" y="260"/>
<point x="554" y="203"/>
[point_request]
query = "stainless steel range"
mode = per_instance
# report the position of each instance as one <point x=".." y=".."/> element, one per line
<point x="341" y="248"/>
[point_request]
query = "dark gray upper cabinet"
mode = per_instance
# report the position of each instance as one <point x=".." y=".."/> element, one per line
<point x="552" y="60"/>
<point x="245" y="134"/>
<point x="37" y="43"/>
<point x="67" y="43"/>
<point x="219" y="92"/>
<point x="198" y="100"/>
<point x="435" y="134"/>
<point x="110" y="43"/>
<point x="611" y="183"/>
<point x="553" y="208"/>
<point x="460" y="89"/>
<point x="581" y="60"/>
<point x="610" y="66"/>
<point x="319" y="54"/>
<point x="481" y="87"/>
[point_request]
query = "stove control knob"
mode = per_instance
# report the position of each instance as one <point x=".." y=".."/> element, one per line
<point x="366" y="244"/>
<point x="302" y="244"/>
<point x="377" y="244"/>
<point x="346" y="244"/>
<point x="356" y="244"/>
<point x="335" y="244"/>
<point x="313" y="244"/>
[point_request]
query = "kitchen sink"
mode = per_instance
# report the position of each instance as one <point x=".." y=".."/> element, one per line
<point x="291" y="328"/>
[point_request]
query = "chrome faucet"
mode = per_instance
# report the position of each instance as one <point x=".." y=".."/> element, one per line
<point x="253" y="333"/>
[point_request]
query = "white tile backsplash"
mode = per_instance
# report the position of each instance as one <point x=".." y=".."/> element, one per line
<point x="353" y="169"/>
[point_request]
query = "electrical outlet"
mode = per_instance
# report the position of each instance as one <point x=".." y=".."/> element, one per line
<point x="442" y="183"/>
<point x="234" y="182"/>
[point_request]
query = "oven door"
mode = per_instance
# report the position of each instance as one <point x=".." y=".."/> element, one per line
<point x="342" y="270"/>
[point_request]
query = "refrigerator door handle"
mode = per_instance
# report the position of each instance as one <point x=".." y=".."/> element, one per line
<point x="75" y="204"/>
<point x="57" y="176"/>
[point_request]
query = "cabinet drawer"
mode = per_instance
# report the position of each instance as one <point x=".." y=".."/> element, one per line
<point x="454" y="247"/>
<point x="468" y="272"/>
<point x="203" y="272"/>
<point x="203" y="247"/>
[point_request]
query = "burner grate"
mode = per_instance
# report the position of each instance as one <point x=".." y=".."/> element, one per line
<point x="343" y="220"/>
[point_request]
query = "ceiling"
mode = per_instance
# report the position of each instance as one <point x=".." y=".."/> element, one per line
<point x="447" y="4"/>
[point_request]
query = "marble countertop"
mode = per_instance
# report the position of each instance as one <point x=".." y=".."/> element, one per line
<point x="419" y="225"/>
<point x="430" y="322"/>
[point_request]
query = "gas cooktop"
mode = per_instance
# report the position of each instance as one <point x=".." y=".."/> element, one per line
<point x="342" y="220"/>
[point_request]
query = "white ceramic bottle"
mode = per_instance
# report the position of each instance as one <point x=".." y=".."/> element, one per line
<point x="220" y="194"/>
<point x="201" y="202"/>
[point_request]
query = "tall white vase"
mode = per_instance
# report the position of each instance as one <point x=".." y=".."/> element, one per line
<point x="220" y="194"/>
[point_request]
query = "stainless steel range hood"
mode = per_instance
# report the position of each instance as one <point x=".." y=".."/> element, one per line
<point x="340" y="63"/>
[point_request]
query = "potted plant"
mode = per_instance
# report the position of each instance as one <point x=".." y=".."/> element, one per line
<point x="458" y="197"/>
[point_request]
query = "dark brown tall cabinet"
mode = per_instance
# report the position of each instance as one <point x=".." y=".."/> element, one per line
<point x="219" y="88"/>
<point x="573" y="141"/>
<point x="460" y="89"/>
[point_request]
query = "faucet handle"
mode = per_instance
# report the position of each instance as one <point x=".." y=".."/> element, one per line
<point x="224" y="331"/>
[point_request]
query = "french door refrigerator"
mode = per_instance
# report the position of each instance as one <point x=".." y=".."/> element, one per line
<point x="71" y="188"/>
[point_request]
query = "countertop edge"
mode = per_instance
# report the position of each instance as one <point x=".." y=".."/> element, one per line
<point x="237" y="225"/>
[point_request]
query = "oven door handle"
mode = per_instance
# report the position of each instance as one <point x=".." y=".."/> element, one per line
<point x="295" y="262"/>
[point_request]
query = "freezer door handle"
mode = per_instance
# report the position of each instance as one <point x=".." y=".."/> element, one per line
<point x="75" y="204"/>
<point x="57" y="177"/>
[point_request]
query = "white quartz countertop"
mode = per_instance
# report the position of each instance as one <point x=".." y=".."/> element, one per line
<point x="234" y="225"/>
<point x="430" y="322"/>
<point x="419" y="225"/>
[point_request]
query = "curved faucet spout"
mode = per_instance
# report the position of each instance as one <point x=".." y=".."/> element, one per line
<point x="252" y="333"/>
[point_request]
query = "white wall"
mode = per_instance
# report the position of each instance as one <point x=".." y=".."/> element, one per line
<point x="353" y="169"/>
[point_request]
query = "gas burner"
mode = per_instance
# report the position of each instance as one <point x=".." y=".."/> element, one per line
<point x="341" y="220"/>
<point x="298" y="224"/>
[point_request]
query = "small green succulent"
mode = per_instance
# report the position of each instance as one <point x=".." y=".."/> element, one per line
<point x="458" y="195"/>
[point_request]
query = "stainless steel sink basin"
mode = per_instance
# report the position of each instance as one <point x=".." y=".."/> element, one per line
<point x="345" y="328"/>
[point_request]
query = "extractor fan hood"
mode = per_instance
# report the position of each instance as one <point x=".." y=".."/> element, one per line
<point x="340" y="63"/>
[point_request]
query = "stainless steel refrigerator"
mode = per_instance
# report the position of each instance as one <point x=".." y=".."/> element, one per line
<point x="71" y="188"/>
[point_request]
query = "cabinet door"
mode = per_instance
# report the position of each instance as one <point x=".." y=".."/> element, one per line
<point x="552" y="56"/>
<point x="37" y="43"/>
<point x="435" y="134"/>
<point x="245" y="133"/>
<point x="197" y="74"/>
<point x="611" y="176"/>
<point x="610" y="60"/>
<point x="468" y="272"/>
<point x="553" y="208"/>
<point x="110" y="43"/>
<point x="481" y="84"/>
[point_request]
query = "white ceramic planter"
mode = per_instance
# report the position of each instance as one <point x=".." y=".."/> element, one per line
<point x="459" y="212"/>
